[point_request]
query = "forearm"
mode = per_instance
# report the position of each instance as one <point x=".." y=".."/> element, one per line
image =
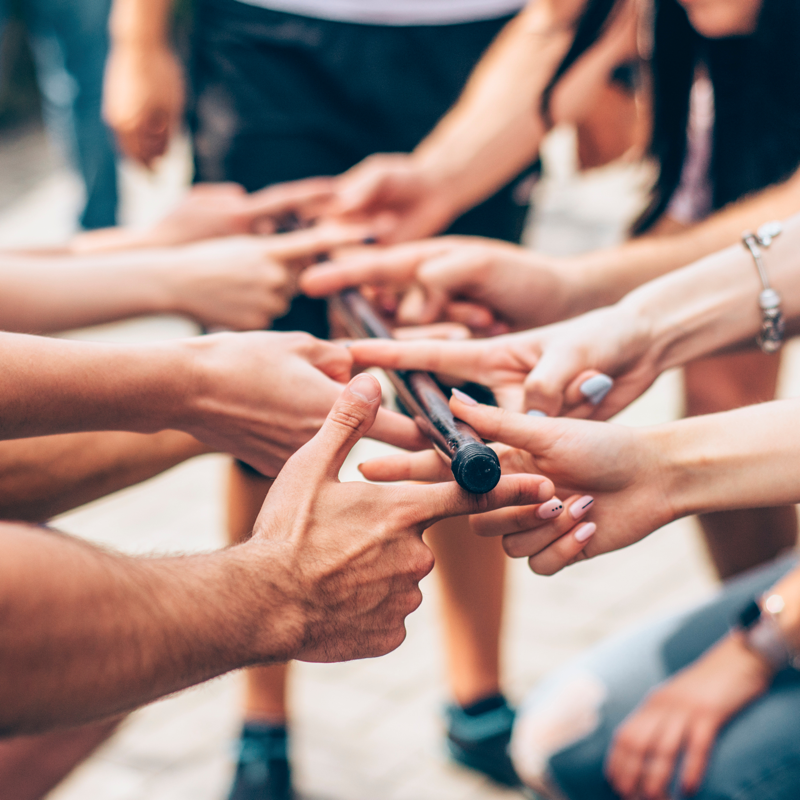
<point x="747" y="458"/>
<point x="713" y="304"/>
<point x="56" y="386"/>
<point x="45" y="294"/>
<point x="495" y="129"/>
<point x="607" y="275"/>
<point x="42" y="477"/>
<point x="87" y="633"/>
<point x="143" y="23"/>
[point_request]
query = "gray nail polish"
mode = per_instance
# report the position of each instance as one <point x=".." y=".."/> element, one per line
<point x="534" y="412"/>
<point x="596" y="388"/>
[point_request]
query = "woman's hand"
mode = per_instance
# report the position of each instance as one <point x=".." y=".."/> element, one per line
<point x="553" y="370"/>
<point x="679" y="721"/>
<point x="489" y="286"/>
<point x="242" y="282"/>
<point x="613" y="481"/>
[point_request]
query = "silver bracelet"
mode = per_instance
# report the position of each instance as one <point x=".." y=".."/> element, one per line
<point x="758" y="623"/>
<point x="770" y="339"/>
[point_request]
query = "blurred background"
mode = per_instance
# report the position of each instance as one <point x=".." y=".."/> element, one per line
<point x="363" y="730"/>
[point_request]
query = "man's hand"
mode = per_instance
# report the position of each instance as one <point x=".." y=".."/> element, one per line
<point x="261" y="396"/>
<point x="612" y="480"/>
<point x="489" y="286"/>
<point x="351" y="554"/>
<point x="143" y="97"/>
<point x="679" y="721"/>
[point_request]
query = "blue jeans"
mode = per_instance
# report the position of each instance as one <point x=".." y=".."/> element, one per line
<point x="756" y="756"/>
<point x="69" y="40"/>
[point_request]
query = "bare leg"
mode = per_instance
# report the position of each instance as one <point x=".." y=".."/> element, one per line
<point x="739" y="540"/>
<point x="265" y="687"/>
<point x="471" y="573"/>
<point x="30" y="766"/>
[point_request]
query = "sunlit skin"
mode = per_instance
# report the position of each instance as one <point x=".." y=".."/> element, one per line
<point x="719" y="19"/>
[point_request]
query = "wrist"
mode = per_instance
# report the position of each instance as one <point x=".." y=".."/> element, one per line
<point x="752" y="663"/>
<point x="273" y="620"/>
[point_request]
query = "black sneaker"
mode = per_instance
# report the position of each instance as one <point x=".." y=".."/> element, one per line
<point x="263" y="771"/>
<point x="478" y="738"/>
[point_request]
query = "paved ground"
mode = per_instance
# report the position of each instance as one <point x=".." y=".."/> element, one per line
<point x="370" y="729"/>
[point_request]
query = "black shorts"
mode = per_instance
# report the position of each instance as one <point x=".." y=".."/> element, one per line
<point x="279" y="97"/>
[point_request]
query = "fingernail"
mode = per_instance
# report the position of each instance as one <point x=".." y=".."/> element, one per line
<point x="596" y="388"/>
<point x="365" y="387"/>
<point x="369" y="240"/>
<point x="464" y="397"/>
<point x="585" y="532"/>
<point x="580" y="507"/>
<point x="534" y="412"/>
<point x="552" y="508"/>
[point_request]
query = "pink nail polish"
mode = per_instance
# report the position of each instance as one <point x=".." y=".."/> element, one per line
<point x="585" y="532"/>
<point x="464" y="397"/>
<point x="550" y="509"/>
<point x="580" y="507"/>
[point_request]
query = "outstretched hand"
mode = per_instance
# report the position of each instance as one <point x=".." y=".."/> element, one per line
<point x="607" y="477"/>
<point x="590" y="366"/>
<point x="356" y="554"/>
<point x="489" y="286"/>
<point x="261" y="396"/>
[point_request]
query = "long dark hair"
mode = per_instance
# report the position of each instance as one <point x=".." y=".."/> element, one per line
<point x="756" y="79"/>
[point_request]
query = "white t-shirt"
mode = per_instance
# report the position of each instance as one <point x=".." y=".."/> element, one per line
<point x="396" y="12"/>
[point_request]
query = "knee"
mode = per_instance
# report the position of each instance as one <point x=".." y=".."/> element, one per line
<point x="555" y="721"/>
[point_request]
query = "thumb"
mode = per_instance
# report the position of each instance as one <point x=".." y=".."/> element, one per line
<point x="350" y="418"/>
<point x="548" y="380"/>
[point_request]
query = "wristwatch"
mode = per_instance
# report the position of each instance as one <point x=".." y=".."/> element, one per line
<point x="758" y="624"/>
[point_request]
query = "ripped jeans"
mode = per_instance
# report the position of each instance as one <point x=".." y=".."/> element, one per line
<point x="565" y="727"/>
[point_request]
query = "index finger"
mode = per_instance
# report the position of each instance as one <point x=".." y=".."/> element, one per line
<point x="397" y="264"/>
<point x="459" y="359"/>
<point x="508" y="427"/>
<point x="311" y="241"/>
<point x="293" y="195"/>
<point x="429" y="503"/>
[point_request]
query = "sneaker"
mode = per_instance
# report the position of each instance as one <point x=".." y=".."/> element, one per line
<point x="263" y="771"/>
<point x="478" y="738"/>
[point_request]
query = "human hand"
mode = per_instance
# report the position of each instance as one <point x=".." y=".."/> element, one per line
<point x="350" y="555"/>
<point x="143" y="97"/>
<point x="488" y="285"/>
<point x="210" y="210"/>
<point x="400" y="196"/>
<point x="678" y="722"/>
<point x="612" y="478"/>
<point x="241" y="282"/>
<point x="261" y="396"/>
<point x="590" y="366"/>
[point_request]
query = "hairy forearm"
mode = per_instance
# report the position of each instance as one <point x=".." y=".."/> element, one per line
<point x="45" y="294"/>
<point x="56" y="386"/>
<point x="496" y="127"/>
<point x="87" y="633"/>
<point x="607" y="275"/>
<point x="45" y="476"/>
<point x="746" y="458"/>
<point x="713" y="304"/>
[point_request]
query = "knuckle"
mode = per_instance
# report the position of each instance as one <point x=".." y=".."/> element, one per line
<point x="515" y="547"/>
<point x="347" y="416"/>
